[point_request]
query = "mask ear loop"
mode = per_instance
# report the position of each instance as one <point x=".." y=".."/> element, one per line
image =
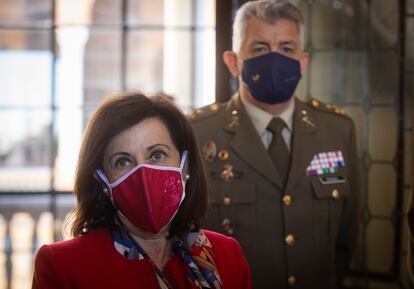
<point x="184" y="167"/>
<point x="103" y="180"/>
<point x="183" y="160"/>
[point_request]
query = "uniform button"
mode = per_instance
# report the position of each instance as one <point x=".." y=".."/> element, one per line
<point x="292" y="280"/>
<point x="223" y="155"/>
<point x="226" y="201"/>
<point x="287" y="200"/>
<point x="335" y="194"/>
<point x="290" y="239"/>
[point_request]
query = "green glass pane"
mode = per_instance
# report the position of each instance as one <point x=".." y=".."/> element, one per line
<point x="366" y="216"/>
<point x="381" y="190"/>
<point x="367" y="104"/>
<point x="379" y="246"/>
<point x="366" y="161"/>
<point x="356" y="113"/>
<point x="382" y="133"/>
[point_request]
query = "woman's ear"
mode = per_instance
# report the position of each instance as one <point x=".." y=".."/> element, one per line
<point x="231" y="60"/>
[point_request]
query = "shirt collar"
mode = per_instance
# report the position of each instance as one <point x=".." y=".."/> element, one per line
<point x="261" y="118"/>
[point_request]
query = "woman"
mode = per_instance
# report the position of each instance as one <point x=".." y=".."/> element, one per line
<point x="141" y="195"/>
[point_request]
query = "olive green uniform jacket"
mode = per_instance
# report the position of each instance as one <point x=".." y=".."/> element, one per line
<point x="298" y="237"/>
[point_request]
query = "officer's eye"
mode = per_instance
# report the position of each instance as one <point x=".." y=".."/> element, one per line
<point x="260" y="50"/>
<point x="286" y="50"/>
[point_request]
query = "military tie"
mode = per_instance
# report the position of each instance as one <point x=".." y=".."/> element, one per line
<point x="278" y="150"/>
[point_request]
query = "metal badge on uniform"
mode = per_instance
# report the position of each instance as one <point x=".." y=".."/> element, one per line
<point x="331" y="180"/>
<point x="235" y="119"/>
<point x="223" y="155"/>
<point x="227" y="174"/>
<point x="256" y="77"/>
<point x="214" y="107"/>
<point x="209" y="151"/>
<point x="325" y="163"/>
<point x="306" y="119"/>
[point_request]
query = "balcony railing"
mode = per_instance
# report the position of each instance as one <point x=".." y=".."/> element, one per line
<point x="27" y="222"/>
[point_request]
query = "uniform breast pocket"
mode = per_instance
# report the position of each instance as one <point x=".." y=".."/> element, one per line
<point x="233" y="206"/>
<point x="329" y="196"/>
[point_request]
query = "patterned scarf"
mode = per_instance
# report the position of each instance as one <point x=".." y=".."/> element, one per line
<point x="196" y="253"/>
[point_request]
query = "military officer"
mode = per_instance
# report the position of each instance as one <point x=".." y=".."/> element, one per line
<point x="283" y="174"/>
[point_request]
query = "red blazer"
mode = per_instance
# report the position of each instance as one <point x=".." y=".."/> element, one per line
<point x="91" y="261"/>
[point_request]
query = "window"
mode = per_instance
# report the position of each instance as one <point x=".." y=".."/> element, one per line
<point x="58" y="60"/>
<point x="54" y="77"/>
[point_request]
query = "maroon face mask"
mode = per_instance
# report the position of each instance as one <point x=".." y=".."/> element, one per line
<point x="148" y="195"/>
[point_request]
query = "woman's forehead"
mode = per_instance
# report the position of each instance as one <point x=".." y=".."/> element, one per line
<point x="140" y="136"/>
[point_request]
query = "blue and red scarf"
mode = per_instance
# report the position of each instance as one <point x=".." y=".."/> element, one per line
<point x="196" y="253"/>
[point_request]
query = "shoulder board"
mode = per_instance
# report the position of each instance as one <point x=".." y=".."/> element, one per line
<point x="204" y="111"/>
<point x="326" y="107"/>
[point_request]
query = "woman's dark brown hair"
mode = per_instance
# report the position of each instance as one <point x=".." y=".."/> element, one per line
<point x="114" y="115"/>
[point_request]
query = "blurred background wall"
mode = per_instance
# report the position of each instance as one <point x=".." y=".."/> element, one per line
<point x="60" y="58"/>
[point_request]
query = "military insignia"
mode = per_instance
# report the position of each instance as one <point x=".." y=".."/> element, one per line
<point x="340" y="111"/>
<point x="314" y="103"/>
<point x="256" y="77"/>
<point x="209" y="151"/>
<point x="325" y="163"/>
<point x="235" y="119"/>
<point x="195" y="113"/>
<point x="223" y="155"/>
<point x="214" y="107"/>
<point x="227" y="174"/>
<point x="307" y="121"/>
<point x="327" y="107"/>
<point x="191" y="115"/>
<point x="336" y="109"/>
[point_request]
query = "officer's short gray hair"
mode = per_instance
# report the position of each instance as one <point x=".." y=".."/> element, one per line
<point x="268" y="11"/>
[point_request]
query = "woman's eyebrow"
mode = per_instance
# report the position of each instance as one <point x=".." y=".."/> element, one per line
<point x="151" y="147"/>
<point x="118" y="153"/>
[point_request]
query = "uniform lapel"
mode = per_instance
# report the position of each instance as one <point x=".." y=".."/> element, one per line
<point x="246" y="143"/>
<point x="304" y="126"/>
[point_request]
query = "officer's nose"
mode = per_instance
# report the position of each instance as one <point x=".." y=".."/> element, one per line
<point x="274" y="48"/>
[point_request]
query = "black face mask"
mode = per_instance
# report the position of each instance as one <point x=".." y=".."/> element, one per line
<point x="271" y="78"/>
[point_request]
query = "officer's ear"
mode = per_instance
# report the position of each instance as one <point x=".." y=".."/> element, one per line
<point x="230" y="59"/>
<point x="304" y="60"/>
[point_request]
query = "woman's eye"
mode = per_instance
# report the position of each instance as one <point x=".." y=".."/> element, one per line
<point x="122" y="163"/>
<point x="157" y="156"/>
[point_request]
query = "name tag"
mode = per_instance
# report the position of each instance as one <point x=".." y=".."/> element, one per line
<point x="331" y="180"/>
